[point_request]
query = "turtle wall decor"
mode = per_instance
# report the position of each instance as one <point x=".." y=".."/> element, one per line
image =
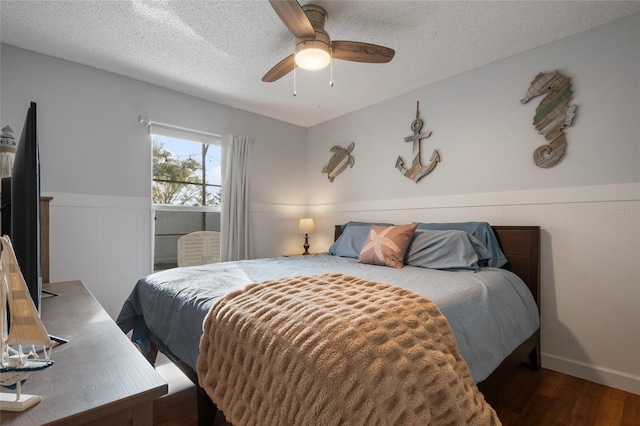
<point x="339" y="161"/>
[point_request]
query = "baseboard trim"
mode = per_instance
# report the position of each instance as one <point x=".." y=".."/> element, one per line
<point x="605" y="376"/>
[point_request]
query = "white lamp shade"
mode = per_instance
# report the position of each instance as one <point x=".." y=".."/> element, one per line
<point x="312" y="55"/>
<point x="306" y="226"/>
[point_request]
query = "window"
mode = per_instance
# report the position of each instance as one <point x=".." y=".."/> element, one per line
<point x="186" y="185"/>
<point x="185" y="172"/>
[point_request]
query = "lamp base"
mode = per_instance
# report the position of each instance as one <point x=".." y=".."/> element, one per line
<point x="306" y="244"/>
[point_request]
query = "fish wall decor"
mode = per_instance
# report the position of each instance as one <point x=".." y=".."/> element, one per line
<point x="339" y="161"/>
<point x="417" y="171"/>
<point x="553" y="114"/>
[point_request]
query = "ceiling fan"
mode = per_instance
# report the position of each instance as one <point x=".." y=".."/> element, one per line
<point x="313" y="46"/>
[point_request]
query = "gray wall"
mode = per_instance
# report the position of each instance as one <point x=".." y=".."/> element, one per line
<point x="96" y="163"/>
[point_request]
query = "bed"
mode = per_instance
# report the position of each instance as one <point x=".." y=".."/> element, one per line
<point x="184" y="296"/>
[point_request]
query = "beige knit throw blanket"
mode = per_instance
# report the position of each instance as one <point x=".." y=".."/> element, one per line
<point x="335" y="350"/>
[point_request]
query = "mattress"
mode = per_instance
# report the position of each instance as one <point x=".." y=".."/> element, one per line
<point x="491" y="311"/>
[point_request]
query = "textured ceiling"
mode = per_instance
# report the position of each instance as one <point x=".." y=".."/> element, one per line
<point x="219" y="50"/>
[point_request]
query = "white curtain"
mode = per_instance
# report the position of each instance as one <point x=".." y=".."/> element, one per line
<point x="234" y="218"/>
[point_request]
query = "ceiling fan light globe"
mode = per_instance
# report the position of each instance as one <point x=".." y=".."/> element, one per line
<point x="312" y="55"/>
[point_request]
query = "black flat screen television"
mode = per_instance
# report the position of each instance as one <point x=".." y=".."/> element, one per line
<point x="21" y="205"/>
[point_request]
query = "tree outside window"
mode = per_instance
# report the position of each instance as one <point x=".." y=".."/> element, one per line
<point x="185" y="173"/>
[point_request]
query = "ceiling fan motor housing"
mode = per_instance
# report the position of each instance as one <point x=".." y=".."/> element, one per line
<point x="314" y="53"/>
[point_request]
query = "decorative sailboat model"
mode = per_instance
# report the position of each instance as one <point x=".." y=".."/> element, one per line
<point x="21" y="328"/>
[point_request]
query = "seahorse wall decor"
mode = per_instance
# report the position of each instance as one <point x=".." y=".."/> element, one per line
<point x="417" y="171"/>
<point x="552" y="115"/>
<point x="339" y="161"/>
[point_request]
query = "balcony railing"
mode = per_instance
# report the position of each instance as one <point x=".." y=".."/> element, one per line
<point x="171" y="224"/>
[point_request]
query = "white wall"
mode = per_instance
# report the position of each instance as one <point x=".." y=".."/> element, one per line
<point x="588" y="205"/>
<point x="95" y="162"/>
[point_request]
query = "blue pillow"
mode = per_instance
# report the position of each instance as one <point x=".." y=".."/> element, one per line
<point x="482" y="231"/>
<point x="350" y="243"/>
<point x="355" y="223"/>
<point x="484" y="254"/>
<point x="448" y="249"/>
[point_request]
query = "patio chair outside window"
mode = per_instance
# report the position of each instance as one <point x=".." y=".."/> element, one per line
<point x="199" y="248"/>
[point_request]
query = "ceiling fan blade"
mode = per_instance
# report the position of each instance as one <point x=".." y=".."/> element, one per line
<point x="281" y="69"/>
<point x="361" y="52"/>
<point x="293" y="16"/>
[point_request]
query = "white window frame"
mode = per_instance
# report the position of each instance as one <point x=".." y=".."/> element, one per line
<point x="184" y="134"/>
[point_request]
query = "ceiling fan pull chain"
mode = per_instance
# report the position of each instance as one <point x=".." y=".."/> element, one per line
<point x="294" y="81"/>
<point x="331" y="67"/>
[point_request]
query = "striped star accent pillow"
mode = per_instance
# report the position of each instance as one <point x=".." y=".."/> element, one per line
<point x="387" y="245"/>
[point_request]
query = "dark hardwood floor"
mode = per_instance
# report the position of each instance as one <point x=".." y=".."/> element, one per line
<point x="538" y="398"/>
<point x="547" y="397"/>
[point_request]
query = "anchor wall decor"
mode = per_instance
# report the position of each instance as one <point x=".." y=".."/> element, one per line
<point x="553" y="114"/>
<point x="417" y="171"/>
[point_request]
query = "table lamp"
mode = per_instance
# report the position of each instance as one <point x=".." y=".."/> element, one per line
<point x="306" y="227"/>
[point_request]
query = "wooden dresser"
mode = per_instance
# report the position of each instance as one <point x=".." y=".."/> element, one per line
<point x="98" y="378"/>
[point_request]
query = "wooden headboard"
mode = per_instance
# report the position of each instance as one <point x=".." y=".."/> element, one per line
<point x="521" y="245"/>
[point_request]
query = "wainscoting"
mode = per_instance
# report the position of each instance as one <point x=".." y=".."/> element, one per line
<point x="102" y="240"/>
<point x="590" y="265"/>
<point x="590" y="257"/>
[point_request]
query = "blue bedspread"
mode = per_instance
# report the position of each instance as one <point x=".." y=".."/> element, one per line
<point x="491" y="311"/>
